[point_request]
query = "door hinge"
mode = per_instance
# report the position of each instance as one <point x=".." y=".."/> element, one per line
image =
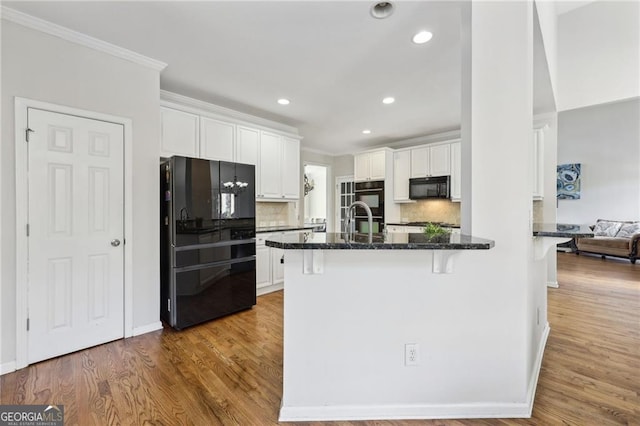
<point x="27" y="324"/>
<point x="27" y="229"/>
<point x="26" y="134"/>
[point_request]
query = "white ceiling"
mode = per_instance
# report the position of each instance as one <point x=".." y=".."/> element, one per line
<point x="330" y="58"/>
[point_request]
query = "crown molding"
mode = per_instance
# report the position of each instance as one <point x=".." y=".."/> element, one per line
<point x="67" y="34"/>
<point x="208" y="109"/>
<point x="317" y="151"/>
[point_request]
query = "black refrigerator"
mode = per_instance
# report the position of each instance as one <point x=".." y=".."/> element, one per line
<point x="207" y="240"/>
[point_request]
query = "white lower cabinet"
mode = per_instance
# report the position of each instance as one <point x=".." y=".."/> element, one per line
<point x="270" y="264"/>
<point x="263" y="262"/>
<point x="277" y="265"/>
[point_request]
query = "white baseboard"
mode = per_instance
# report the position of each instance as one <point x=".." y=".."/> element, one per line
<point x="269" y="289"/>
<point x="535" y="374"/>
<point x="147" y="328"/>
<point x="553" y="284"/>
<point x="405" y="412"/>
<point x="7" y="367"/>
<point x="424" y="411"/>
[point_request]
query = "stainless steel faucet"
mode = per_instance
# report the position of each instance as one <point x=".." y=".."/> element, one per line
<point x="349" y="218"/>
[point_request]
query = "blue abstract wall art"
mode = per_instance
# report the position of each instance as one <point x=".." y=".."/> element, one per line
<point x="568" y="181"/>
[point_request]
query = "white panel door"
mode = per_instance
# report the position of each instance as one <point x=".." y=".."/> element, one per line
<point x="76" y="228"/>
<point x="217" y="139"/>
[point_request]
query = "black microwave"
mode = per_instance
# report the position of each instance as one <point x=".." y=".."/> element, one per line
<point x="429" y="187"/>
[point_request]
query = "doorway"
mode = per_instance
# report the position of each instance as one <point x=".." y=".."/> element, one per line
<point x="73" y="290"/>
<point x="316" y="199"/>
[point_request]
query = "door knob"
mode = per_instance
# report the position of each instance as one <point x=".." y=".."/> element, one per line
<point x="115" y="242"/>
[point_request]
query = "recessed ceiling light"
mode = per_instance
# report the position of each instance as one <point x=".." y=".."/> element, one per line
<point x="284" y="101"/>
<point x="366" y="131"/>
<point x="382" y="9"/>
<point x="422" y="37"/>
<point x="388" y="100"/>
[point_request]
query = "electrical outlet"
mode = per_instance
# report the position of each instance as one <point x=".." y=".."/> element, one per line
<point x="411" y="354"/>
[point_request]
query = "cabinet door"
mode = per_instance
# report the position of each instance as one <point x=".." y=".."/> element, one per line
<point x="277" y="265"/>
<point x="377" y="165"/>
<point x="456" y="169"/>
<point x="414" y="229"/>
<point x="361" y="167"/>
<point x="269" y="159"/>
<point x="440" y="160"/>
<point x="394" y="229"/>
<point x="216" y="139"/>
<point x="263" y="267"/>
<point x="401" y="173"/>
<point x="291" y="168"/>
<point x="178" y="133"/>
<point x="247" y="145"/>
<point x="420" y="162"/>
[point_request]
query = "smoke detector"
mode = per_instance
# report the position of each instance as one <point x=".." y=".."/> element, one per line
<point x="382" y="9"/>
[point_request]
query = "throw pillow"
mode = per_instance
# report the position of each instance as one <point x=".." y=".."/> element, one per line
<point x="628" y="229"/>
<point x="606" y="228"/>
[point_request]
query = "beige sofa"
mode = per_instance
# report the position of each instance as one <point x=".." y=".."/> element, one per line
<point x="612" y="238"/>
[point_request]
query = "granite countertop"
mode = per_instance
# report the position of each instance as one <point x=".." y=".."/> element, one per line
<point x="561" y="230"/>
<point x="391" y="241"/>
<point x="282" y="228"/>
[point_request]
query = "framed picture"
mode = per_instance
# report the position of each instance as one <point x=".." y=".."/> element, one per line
<point x="568" y="182"/>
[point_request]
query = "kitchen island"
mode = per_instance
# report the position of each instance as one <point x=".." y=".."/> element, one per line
<point x="402" y="327"/>
<point x="351" y="305"/>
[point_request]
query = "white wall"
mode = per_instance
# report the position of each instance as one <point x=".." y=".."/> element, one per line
<point x="46" y="68"/>
<point x="548" y="20"/>
<point x="598" y="54"/>
<point x="605" y="139"/>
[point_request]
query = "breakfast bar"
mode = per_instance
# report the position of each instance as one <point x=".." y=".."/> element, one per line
<point x="355" y="307"/>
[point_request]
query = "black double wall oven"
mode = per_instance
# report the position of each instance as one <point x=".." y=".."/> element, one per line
<point x="207" y="240"/>
<point x="372" y="194"/>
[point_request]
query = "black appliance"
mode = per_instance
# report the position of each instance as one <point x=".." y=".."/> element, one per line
<point x="207" y="240"/>
<point x="372" y="194"/>
<point x="429" y="187"/>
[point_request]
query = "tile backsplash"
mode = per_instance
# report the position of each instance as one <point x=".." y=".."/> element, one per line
<point x="432" y="211"/>
<point x="274" y="214"/>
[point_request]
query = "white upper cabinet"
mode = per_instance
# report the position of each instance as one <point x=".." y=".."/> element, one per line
<point x="290" y="168"/>
<point x="202" y="131"/>
<point x="217" y="139"/>
<point x="247" y="145"/>
<point x="420" y="162"/>
<point x="270" y="181"/>
<point x="370" y="166"/>
<point x="440" y="160"/>
<point x="401" y="174"/>
<point x="179" y="133"/>
<point x="456" y="170"/>
<point x="431" y="161"/>
<point x="279" y="168"/>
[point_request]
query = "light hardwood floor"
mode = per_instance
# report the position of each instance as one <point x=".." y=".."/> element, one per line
<point x="229" y="371"/>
